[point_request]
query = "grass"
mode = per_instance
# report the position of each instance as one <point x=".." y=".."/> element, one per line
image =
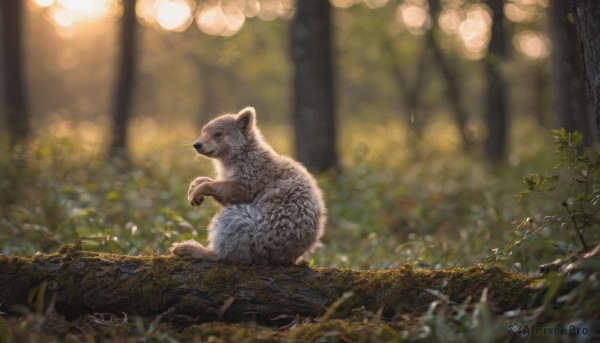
<point x="397" y="201"/>
<point x="431" y="205"/>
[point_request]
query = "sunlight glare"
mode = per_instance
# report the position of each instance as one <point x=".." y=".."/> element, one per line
<point x="86" y="9"/>
<point x="67" y="13"/>
<point x="173" y="15"/>
<point x="44" y="3"/>
<point x="63" y="17"/>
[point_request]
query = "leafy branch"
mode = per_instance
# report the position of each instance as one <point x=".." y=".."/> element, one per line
<point x="579" y="190"/>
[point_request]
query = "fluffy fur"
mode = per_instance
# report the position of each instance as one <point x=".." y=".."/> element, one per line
<point x="273" y="211"/>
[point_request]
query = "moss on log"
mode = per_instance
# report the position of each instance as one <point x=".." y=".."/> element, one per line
<point x="80" y="282"/>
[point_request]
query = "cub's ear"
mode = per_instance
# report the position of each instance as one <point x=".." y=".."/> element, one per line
<point x="246" y="118"/>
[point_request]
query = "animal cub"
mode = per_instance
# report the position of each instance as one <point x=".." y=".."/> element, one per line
<point x="273" y="210"/>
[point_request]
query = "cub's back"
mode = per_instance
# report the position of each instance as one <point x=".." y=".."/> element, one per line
<point x="291" y="185"/>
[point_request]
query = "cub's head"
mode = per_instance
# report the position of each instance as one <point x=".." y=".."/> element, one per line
<point x="228" y="135"/>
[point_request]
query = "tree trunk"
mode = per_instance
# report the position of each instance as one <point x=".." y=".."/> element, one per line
<point x="538" y="103"/>
<point x="586" y="13"/>
<point x="495" y="98"/>
<point x="314" y="103"/>
<point x="452" y="85"/>
<point x="570" y="100"/>
<point x="410" y="90"/>
<point x="125" y="84"/>
<point x="209" y="107"/>
<point x="78" y="282"/>
<point x="17" y="113"/>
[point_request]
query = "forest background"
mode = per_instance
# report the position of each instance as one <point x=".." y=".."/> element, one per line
<point x="421" y="118"/>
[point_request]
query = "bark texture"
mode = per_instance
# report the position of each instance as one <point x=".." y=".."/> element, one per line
<point x="586" y="13"/>
<point x="78" y="282"/>
<point x="125" y="83"/>
<point x="17" y="113"/>
<point x="314" y="103"/>
<point x="570" y="100"/>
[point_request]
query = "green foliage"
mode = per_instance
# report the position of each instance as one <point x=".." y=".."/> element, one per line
<point x="396" y="202"/>
<point x="392" y="204"/>
<point x="58" y="193"/>
<point x="574" y="184"/>
<point x="572" y="188"/>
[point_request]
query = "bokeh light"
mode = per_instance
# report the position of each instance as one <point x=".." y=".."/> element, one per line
<point x="63" y="17"/>
<point x="170" y="15"/>
<point x="67" y="13"/>
<point x="450" y="20"/>
<point x="542" y="3"/>
<point x="234" y="20"/>
<point x="44" y="3"/>
<point x="414" y="16"/>
<point x="215" y="18"/>
<point x="534" y="45"/>
<point x="525" y="11"/>
<point x="376" y="3"/>
<point x="273" y="9"/>
<point x="210" y="18"/>
<point x="84" y="7"/>
<point x="174" y="15"/>
<point x="475" y="31"/>
<point x="343" y="3"/>
<point x="515" y="13"/>
<point x="251" y="8"/>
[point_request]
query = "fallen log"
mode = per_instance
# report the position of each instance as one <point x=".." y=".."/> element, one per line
<point x="77" y="282"/>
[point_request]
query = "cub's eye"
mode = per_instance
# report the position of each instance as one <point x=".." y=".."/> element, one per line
<point x="218" y="134"/>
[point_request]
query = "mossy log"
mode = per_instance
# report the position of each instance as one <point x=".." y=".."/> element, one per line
<point x="77" y="282"/>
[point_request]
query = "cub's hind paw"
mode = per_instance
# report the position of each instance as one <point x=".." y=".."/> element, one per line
<point x="192" y="250"/>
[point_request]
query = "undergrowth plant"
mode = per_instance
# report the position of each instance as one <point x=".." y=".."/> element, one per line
<point x="573" y="187"/>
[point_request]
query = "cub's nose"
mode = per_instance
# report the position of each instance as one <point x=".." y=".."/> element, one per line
<point x="197" y="145"/>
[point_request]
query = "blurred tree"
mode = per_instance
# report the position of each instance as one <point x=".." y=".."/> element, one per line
<point x="586" y="13"/>
<point x="125" y="84"/>
<point x="209" y="107"/>
<point x="203" y="54"/>
<point x="314" y="103"/>
<point x="410" y="91"/>
<point x="540" y="96"/>
<point x="16" y="109"/>
<point x="570" y="101"/>
<point x="496" y="117"/>
<point x="453" y="89"/>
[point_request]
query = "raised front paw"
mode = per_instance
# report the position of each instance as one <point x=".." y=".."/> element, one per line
<point x="195" y="197"/>
<point x="197" y="182"/>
